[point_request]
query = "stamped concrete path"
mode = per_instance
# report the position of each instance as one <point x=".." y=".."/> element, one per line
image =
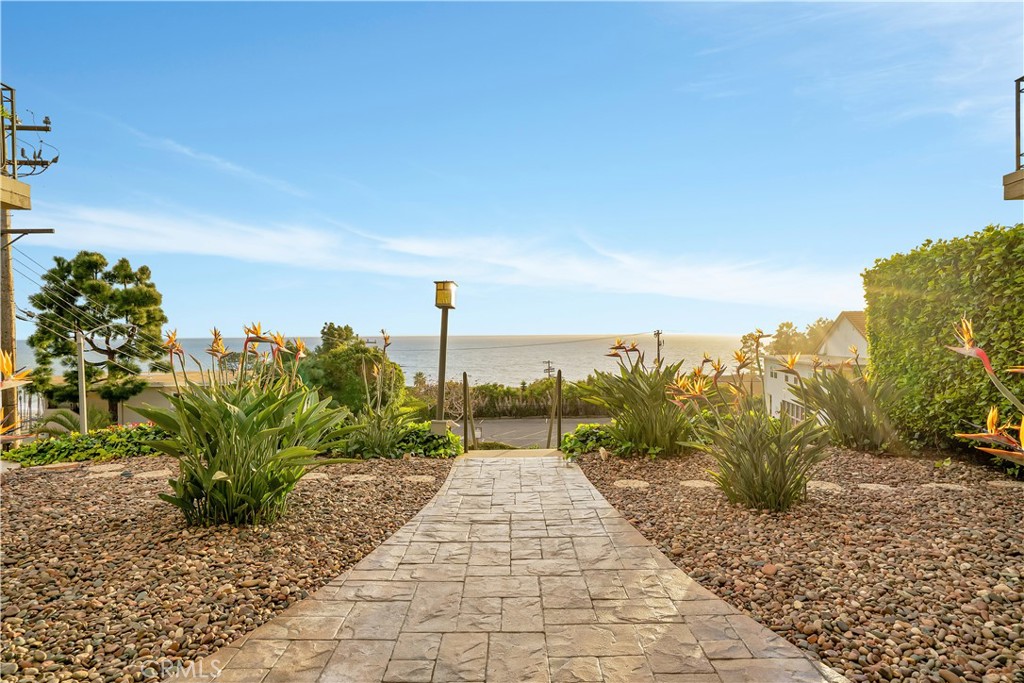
<point x="517" y="571"/>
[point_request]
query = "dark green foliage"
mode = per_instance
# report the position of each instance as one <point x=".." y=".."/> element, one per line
<point x="914" y="299"/>
<point x="788" y="339"/>
<point x="419" y="441"/>
<point x="764" y="462"/>
<point x="104" y="444"/>
<point x="62" y="421"/>
<point x="332" y="336"/>
<point x="532" y="400"/>
<point x="853" y="407"/>
<point x="344" y="372"/>
<point x="495" y="446"/>
<point x="643" y="419"/>
<point x="241" y="447"/>
<point x="587" y="438"/>
<point x="82" y="294"/>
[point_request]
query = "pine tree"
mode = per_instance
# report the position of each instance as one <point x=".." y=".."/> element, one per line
<point x="118" y="303"/>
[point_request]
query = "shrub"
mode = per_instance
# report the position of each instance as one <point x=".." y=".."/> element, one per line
<point x="496" y="446"/>
<point x="378" y="433"/>
<point x="587" y="438"/>
<point x="910" y="301"/>
<point x="242" y="445"/>
<point x="343" y="372"/>
<point x="418" y="440"/>
<point x="643" y="418"/>
<point x="852" y="407"/>
<point x="63" y="421"/>
<point x="104" y="444"/>
<point x="764" y="462"/>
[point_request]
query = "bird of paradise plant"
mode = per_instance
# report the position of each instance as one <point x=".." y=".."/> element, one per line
<point x="242" y="446"/>
<point x="8" y="374"/>
<point x="763" y="462"/>
<point x="1010" y="448"/>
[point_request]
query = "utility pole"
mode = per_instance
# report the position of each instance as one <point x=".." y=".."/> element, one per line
<point x="657" y="336"/>
<point x="550" y="369"/>
<point x="15" y="195"/>
<point x="83" y="417"/>
<point x="9" y="399"/>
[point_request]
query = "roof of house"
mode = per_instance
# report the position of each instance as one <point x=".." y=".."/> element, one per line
<point x="858" y="319"/>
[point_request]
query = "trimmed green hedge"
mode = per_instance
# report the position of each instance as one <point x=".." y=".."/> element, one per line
<point x="914" y="299"/>
<point x="102" y="444"/>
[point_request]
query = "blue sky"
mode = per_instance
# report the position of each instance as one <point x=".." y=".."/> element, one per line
<point x="577" y="168"/>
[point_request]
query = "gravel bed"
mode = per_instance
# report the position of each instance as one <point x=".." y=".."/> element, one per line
<point x="909" y="583"/>
<point x="102" y="581"/>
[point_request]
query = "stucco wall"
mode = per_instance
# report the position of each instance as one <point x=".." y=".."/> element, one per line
<point x="844" y="334"/>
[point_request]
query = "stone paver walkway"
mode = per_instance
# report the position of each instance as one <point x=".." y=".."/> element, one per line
<point x="517" y="571"/>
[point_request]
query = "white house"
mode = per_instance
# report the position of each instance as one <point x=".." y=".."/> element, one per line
<point x="847" y="330"/>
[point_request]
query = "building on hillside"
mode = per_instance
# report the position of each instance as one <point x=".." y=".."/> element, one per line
<point x="157" y="384"/>
<point x="848" y="330"/>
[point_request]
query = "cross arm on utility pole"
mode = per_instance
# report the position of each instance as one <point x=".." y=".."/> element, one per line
<point x="21" y="232"/>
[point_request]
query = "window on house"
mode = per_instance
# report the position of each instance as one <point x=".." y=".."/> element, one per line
<point x="794" y="410"/>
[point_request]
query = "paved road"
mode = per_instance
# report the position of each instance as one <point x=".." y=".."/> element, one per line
<point x="517" y="571"/>
<point x="527" y="431"/>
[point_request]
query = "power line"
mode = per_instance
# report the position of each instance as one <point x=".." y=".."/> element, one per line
<point x="154" y="343"/>
<point x="526" y="346"/>
<point x="105" y="362"/>
<point x="92" y="319"/>
<point x="82" y="318"/>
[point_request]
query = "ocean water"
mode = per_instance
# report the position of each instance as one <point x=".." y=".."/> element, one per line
<point x="505" y="359"/>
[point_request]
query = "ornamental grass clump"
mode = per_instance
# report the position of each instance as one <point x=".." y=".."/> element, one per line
<point x="853" y="406"/>
<point x="643" y="418"/>
<point x="764" y="462"/>
<point x="243" y="442"/>
<point x="383" y="422"/>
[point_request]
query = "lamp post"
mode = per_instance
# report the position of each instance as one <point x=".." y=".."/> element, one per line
<point x="444" y="298"/>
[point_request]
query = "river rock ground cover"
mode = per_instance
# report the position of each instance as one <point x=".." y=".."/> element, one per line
<point x="102" y="581"/>
<point x="910" y="582"/>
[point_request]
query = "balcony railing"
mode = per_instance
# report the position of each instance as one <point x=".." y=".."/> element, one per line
<point x="1019" y="86"/>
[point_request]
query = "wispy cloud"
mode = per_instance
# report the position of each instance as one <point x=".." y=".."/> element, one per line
<point x="213" y="161"/>
<point x="521" y="261"/>
<point x="883" y="62"/>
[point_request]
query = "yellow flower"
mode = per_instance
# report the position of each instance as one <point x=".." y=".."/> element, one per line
<point x="717" y="366"/>
<point x="255" y="332"/>
<point x="172" y="345"/>
<point x="7" y="371"/>
<point x="300" y="348"/>
<point x="216" y="348"/>
<point x="853" y="350"/>
<point x="964" y="333"/>
<point x="700" y="385"/>
<point x="993" y="420"/>
<point x="791" y="360"/>
<point x="740" y="357"/>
